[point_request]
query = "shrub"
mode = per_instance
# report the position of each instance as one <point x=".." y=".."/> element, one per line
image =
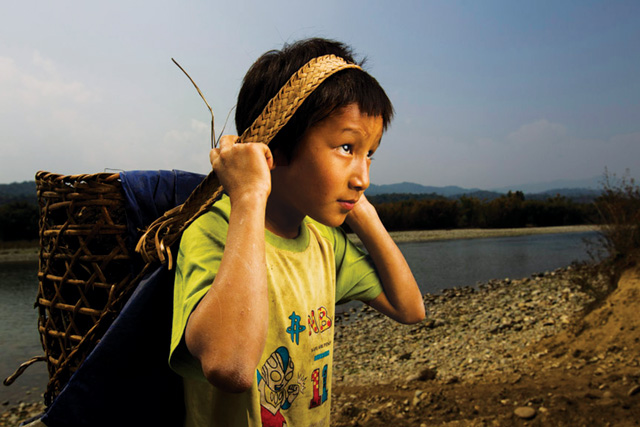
<point x="618" y="244"/>
<point x="619" y="211"/>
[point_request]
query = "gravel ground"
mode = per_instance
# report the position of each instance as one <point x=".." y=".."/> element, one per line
<point x="468" y="332"/>
<point x="507" y="353"/>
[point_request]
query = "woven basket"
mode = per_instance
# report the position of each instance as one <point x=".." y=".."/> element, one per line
<point x="85" y="273"/>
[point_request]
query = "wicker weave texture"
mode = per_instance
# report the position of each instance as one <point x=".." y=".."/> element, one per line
<point x="85" y="267"/>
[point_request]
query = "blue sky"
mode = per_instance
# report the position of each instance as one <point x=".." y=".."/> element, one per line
<point x="487" y="93"/>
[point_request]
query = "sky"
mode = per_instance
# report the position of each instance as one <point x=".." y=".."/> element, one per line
<point x="487" y="94"/>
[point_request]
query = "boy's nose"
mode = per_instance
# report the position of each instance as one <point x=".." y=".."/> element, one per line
<point x="360" y="176"/>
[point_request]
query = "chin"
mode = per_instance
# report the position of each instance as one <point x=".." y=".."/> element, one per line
<point x="335" y="221"/>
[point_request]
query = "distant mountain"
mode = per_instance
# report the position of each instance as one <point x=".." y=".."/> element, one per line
<point x="593" y="183"/>
<point x="413" y="188"/>
<point x="581" y="195"/>
<point x="18" y="192"/>
<point x="407" y="190"/>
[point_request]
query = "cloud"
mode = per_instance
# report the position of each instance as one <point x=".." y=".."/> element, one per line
<point x="8" y="70"/>
<point x="195" y="133"/>
<point x="540" y="132"/>
<point x="45" y="115"/>
<point x="38" y="84"/>
<point x="42" y="62"/>
<point x="56" y="121"/>
<point x="536" y="151"/>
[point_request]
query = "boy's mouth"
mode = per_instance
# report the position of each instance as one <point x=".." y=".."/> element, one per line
<point x="347" y="204"/>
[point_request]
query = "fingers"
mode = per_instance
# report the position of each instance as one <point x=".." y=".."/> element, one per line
<point x="228" y="141"/>
<point x="269" y="157"/>
<point x="242" y="168"/>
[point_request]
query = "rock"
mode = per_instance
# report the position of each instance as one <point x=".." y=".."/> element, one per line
<point x="424" y="375"/>
<point x="634" y="390"/>
<point x="405" y="356"/>
<point x="525" y="412"/>
<point x="452" y="380"/>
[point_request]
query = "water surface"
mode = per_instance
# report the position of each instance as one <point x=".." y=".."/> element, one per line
<point x="19" y="339"/>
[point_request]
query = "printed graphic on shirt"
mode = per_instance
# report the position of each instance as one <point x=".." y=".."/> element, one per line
<point x="275" y="391"/>
<point x="319" y="322"/>
<point x="295" y="328"/>
<point x="319" y="397"/>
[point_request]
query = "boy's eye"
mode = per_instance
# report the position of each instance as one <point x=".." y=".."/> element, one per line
<point x="347" y="148"/>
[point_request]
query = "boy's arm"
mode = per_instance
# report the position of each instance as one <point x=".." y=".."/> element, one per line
<point x="401" y="299"/>
<point x="227" y="330"/>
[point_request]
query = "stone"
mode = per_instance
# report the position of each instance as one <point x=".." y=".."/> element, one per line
<point x="634" y="390"/>
<point x="405" y="356"/>
<point x="424" y="375"/>
<point x="525" y="412"/>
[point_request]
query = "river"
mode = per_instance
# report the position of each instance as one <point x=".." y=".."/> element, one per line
<point x="436" y="265"/>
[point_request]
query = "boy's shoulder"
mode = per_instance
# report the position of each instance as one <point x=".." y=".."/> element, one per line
<point x="214" y="223"/>
<point x="336" y="236"/>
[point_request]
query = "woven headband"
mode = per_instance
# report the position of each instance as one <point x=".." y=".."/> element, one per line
<point x="155" y="243"/>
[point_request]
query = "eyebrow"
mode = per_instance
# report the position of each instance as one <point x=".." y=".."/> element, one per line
<point x="357" y="131"/>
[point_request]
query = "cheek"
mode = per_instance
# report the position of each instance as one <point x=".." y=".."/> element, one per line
<point x="315" y="173"/>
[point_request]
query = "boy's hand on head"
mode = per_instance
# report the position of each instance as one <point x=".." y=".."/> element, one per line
<point x="243" y="169"/>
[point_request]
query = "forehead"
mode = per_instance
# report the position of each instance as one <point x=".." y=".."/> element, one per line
<point x="349" y="119"/>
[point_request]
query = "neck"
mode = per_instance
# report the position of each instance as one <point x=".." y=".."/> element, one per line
<point x="282" y="221"/>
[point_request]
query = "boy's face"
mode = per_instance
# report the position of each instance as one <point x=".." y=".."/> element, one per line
<point x="328" y="173"/>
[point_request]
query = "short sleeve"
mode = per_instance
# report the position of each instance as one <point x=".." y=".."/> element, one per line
<point x="356" y="276"/>
<point x="198" y="261"/>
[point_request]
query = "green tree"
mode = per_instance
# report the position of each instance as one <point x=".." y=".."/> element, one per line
<point x="506" y="211"/>
<point x="18" y="221"/>
<point x="471" y="212"/>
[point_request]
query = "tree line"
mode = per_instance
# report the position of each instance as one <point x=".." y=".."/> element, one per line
<point x="19" y="220"/>
<point x="510" y="210"/>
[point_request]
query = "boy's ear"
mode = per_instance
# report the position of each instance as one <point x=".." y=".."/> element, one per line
<point x="279" y="159"/>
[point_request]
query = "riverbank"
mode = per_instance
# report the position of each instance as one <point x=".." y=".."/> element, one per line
<point x="22" y="251"/>
<point x="479" y="233"/>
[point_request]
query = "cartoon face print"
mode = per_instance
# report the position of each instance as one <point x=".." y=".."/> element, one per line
<point x="273" y="377"/>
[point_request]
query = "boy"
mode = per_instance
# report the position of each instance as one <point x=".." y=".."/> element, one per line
<point x="258" y="276"/>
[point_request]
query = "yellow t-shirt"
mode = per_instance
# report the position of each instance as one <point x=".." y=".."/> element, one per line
<point x="306" y="277"/>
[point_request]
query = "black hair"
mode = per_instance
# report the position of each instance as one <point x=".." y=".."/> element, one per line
<point x="272" y="70"/>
